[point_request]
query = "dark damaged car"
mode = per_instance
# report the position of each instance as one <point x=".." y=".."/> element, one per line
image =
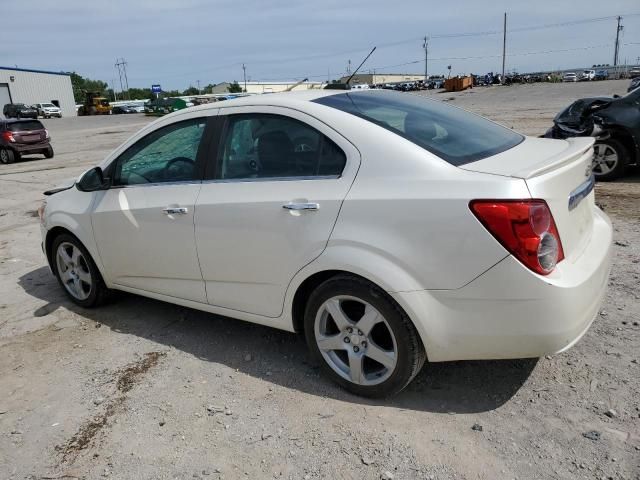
<point x="615" y="124"/>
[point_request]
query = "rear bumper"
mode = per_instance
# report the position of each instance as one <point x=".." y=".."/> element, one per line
<point x="511" y="312"/>
<point x="30" y="147"/>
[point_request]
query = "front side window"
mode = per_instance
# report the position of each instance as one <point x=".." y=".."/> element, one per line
<point x="274" y="146"/>
<point x="451" y="133"/>
<point x="166" y="155"/>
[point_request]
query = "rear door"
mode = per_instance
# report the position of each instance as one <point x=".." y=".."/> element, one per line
<point x="270" y="205"/>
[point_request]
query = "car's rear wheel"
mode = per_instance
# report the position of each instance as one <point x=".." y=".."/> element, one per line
<point x="76" y="272"/>
<point x="362" y="339"/>
<point x="48" y="153"/>
<point x="610" y="159"/>
<point x="7" y="156"/>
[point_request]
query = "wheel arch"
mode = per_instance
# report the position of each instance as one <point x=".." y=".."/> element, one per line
<point x="309" y="284"/>
<point x="55" y="232"/>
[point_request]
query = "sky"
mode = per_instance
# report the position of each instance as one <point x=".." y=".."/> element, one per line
<point x="177" y="43"/>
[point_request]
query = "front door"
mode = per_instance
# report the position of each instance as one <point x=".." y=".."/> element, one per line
<point x="144" y="223"/>
<point x="280" y="180"/>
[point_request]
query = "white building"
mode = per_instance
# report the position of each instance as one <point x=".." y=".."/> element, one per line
<point x="382" y="78"/>
<point x="21" y="85"/>
<point x="268" y="87"/>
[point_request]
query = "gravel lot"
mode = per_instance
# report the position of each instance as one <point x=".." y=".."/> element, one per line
<point x="143" y="389"/>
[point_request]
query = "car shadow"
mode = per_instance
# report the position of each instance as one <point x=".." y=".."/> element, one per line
<point x="281" y="357"/>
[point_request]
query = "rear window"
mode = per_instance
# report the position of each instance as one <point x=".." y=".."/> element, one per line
<point x="26" y="126"/>
<point x="457" y="136"/>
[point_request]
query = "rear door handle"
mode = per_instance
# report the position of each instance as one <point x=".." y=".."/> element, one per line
<point x="175" y="210"/>
<point x="301" y="206"/>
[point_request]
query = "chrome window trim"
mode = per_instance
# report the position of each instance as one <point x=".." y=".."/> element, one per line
<point x="158" y="184"/>
<point x="272" y="179"/>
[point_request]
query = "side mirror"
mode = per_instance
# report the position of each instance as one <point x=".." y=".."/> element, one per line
<point x="93" y="180"/>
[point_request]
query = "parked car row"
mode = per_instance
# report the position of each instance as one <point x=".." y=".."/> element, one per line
<point x="20" y="110"/>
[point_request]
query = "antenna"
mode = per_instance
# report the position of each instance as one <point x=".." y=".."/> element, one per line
<point x="356" y="70"/>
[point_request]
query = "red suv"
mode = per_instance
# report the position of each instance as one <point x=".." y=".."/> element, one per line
<point x="23" y="137"/>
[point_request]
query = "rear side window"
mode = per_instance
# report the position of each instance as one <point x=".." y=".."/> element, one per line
<point x="274" y="146"/>
<point x="451" y="133"/>
<point x="26" y="126"/>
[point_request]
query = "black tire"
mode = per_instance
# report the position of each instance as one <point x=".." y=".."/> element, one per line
<point x="98" y="293"/>
<point x="7" y="156"/>
<point x="410" y="351"/>
<point x="48" y="153"/>
<point x="621" y="165"/>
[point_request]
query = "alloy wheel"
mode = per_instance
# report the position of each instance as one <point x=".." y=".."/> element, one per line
<point x="73" y="270"/>
<point x="605" y="159"/>
<point x="355" y="340"/>
<point x="4" y="156"/>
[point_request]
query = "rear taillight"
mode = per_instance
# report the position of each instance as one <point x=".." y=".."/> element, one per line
<point x="46" y="134"/>
<point x="525" y="228"/>
<point x="8" y="137"/>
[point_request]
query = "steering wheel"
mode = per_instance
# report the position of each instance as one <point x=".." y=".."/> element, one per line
<point x="179" y="168"/>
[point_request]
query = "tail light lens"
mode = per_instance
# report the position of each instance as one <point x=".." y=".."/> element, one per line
<point x="46" y="134"/>
<point x="8" y="136"/>
<point x="525" y="228"/>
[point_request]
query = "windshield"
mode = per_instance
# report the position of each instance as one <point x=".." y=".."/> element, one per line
<point x="26" y="126"/>
<point x="48" y="105"/>
<point x="451" y="133"/>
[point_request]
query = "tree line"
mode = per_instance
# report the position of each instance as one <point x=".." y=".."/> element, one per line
<point x="82" y="85"/>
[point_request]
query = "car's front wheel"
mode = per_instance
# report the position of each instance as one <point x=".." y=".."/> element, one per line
<point x="609" y="159"/>
<point x="361" y="337"/>
<point x="76" y="272"/>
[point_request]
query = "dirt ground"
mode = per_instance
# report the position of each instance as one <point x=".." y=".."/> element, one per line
<point x="140" y="389"/>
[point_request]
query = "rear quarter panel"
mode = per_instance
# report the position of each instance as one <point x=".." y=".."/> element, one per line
<point x="406" y="223"/>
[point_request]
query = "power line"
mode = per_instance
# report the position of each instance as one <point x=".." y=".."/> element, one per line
<point x="475" y="57"/>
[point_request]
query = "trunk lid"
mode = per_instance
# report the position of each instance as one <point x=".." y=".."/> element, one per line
<point x="559" y="172"/>
<point x="28" y="131"/>
<point x="28" y="137"/>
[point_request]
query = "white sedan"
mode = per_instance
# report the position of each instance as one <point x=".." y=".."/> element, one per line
<point x="389" y="228"/>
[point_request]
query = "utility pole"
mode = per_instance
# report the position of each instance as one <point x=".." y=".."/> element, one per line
<point x="244" y="73"/>
<point x="349" y="68"/>
<point x="122" y="70"/>
<point x="198" y="81"/>
<point x="617" y="47"/>
<point x="504" y="46"/>
<point x="117" y="65"/>
<point x="425" y="45"/>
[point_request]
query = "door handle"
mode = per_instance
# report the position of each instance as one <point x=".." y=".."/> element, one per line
<point x="301" y="206"/>
<point x="175" y="210"/>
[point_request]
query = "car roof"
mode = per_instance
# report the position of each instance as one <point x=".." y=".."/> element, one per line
<point x="284" y="99"/>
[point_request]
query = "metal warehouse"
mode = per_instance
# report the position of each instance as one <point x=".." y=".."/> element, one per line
<point x="21" y="85"/>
